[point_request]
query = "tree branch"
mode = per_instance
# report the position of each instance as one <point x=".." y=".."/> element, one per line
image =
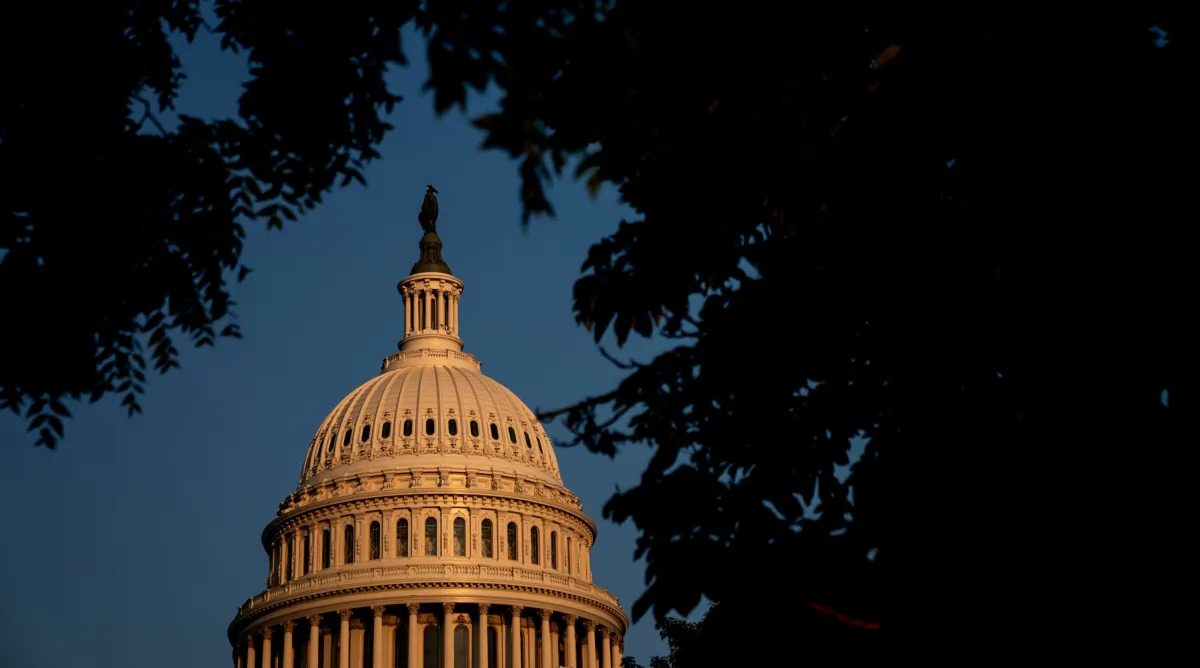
<point x="590" y="401"/>
<point x="148" y="116"/>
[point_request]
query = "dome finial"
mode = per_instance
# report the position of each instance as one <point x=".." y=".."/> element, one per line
<point x="430" y="291"/>
<point x="431" y="243"/>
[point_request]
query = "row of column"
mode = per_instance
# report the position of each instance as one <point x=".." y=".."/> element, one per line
<point x="424" y="308"/>
<point x="256" y="651"/>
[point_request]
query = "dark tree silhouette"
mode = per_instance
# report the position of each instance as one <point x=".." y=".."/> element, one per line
<point x="957" y="232"/>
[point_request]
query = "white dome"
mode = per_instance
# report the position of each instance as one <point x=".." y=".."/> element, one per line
<point x="429" y="410"/>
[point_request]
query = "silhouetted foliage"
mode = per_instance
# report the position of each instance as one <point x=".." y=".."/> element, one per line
<point x="955" y="232"/>
<point x="764" y="631"/>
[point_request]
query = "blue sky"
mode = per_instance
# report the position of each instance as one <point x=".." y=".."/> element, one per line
<point x="140" y="536"/>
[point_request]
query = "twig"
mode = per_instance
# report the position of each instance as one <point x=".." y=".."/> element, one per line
<point x="618" y="363"/>
<point x="590" y="401"/>
<point x="148" y="116"/>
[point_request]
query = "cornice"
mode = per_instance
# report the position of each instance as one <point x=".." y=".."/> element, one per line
<point x="246" y="618"/>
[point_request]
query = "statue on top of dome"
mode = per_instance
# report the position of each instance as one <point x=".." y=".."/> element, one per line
<point x="429" y="211"/>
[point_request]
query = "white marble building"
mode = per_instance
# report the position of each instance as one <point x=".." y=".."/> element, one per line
<point x="431" y="527"/>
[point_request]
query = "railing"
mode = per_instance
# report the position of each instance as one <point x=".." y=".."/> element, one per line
<point x="465" y="572"/>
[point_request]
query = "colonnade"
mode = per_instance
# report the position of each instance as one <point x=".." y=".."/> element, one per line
<point x="430" y="309"/>
<point x="463" y="635"/>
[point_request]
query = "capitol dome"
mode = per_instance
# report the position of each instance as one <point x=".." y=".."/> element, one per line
<point x="430" y="527"/>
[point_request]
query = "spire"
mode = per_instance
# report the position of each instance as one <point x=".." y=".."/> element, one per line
<point x="431" y="243"/>
<point x="430" y="292"/>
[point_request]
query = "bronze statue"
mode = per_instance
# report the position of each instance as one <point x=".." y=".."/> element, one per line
<point x="429" y="211"/>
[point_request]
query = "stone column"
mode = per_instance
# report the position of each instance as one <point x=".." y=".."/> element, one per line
<point x="448" y="635"/>
<point x="250" y="654"/>
<point x="289" y="658"/>
<point x="266" y="647"/>
<point x="413" y="609"/>
<point x="377" y="637"/>
<point x="589" y="651"/>
<point x="344" y="639"/>
<point x="429" y="306"/>
<point x="605" y="647"/>
<point x="517" y="645"/>
<point x="482" y="632"/>
<point x="546" y="655"/>
<point x="570" y="646"/>
<point x="617" y="651"/>
<point x="314" y="641"/>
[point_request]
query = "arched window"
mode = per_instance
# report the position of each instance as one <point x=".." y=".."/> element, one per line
<point x="276" y="563"/>
<point x="512" y="435"/>
<point x="433" y="647"/>
<point x="366" y="433"/>
<point x="288" y="573"/>
<point x="399" y="647"/>
<point x="346" y="438"/>
<point x="408" y="427"/>
<point x="460" y="537"/>
<point x="539" y="442"/>
<point x="474" y="429"/>
<point x="495" y="431"/>
<point x="348" y="548"/>
<point x="554" y="550"/>
<point x="386" y="430"/>
<point x="485" y="538"/>
<point x="332" y="440"/>
<point x="452" y="427"/>
<point x="402" y="538"/>
<point x="375" y="538"/>
<point x="326" y="549"/>
<point x="306" y="555"/>
<point x="527" y="443"/>
<point x="430" y="427"/>
<point x="512" y="541"/>
<point x="462" y="644"/>
<point x="431" y="537"/>
<point x="534" y="546"/>
<point x="568" y="555"/>
<point x="494" y="646"/>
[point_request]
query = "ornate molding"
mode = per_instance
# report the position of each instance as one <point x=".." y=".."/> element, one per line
<point x="378" y="610"/>
<point x="448" y="608"/>
<point x="483" y="608"/>
<point x="288" y="626"/>
<point x="605" y="632"/>
<point x="413" y="608"/>
<point x="545" y="613"/>
<point x="314" y="620"/>
<point x="570" y="619"/>
<point x="345" y="614"/>
<point x="589" y="624"/>
<point x="516" y="610"/>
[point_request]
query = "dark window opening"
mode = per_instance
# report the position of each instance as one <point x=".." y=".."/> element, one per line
<point x="431" y="542"/>
<point x="402" y="538"/>
<point x="485" y="538"/>
<point x="430" y="427"/>
<point x="348" y="548"/>
<point x="512" y="434"/>
<point x="534" y="546"/>
<point x="408" y="427"/>
<point x="307" y="556"/>
<point x="374" y="540"/>
<point x="460" y="537"/>
<point x="346" y="438"/>
<point x="326" y="549"/>
<point x="386" y="430"/>
<point x="512" y="541"/>
<point x="495" y="432"/>
<point x="291" y="558"/>
<point x="554" y="550"/>
<point x="539" y="442"/>
<point x="474" y="429"/>
<point x="366" y="433"/>
<point x="527" y="443"/>
<point x="452" y="427"/>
